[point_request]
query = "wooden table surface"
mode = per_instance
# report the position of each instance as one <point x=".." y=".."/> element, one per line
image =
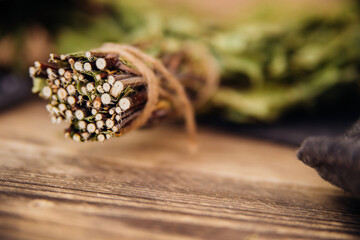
<point x="146" y="185"/>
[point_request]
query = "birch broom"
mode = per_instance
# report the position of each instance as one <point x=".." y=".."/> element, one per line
<point x="265" y="70"/>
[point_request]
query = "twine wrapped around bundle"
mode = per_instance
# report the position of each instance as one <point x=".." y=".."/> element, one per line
<point x="138" y="59"/>
<point x="118" y="88"/>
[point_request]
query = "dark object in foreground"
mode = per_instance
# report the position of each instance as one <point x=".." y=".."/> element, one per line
<point x="337" y="160"/>
<point x="13" y="90"/>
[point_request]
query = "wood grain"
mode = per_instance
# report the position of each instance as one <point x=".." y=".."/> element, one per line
<point x="146" y="185"/>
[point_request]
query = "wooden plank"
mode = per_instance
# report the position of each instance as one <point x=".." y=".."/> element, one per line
<point x="146" y="185"/>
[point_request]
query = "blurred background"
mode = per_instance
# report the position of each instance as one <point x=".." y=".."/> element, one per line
<point x="290" y="69"/>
